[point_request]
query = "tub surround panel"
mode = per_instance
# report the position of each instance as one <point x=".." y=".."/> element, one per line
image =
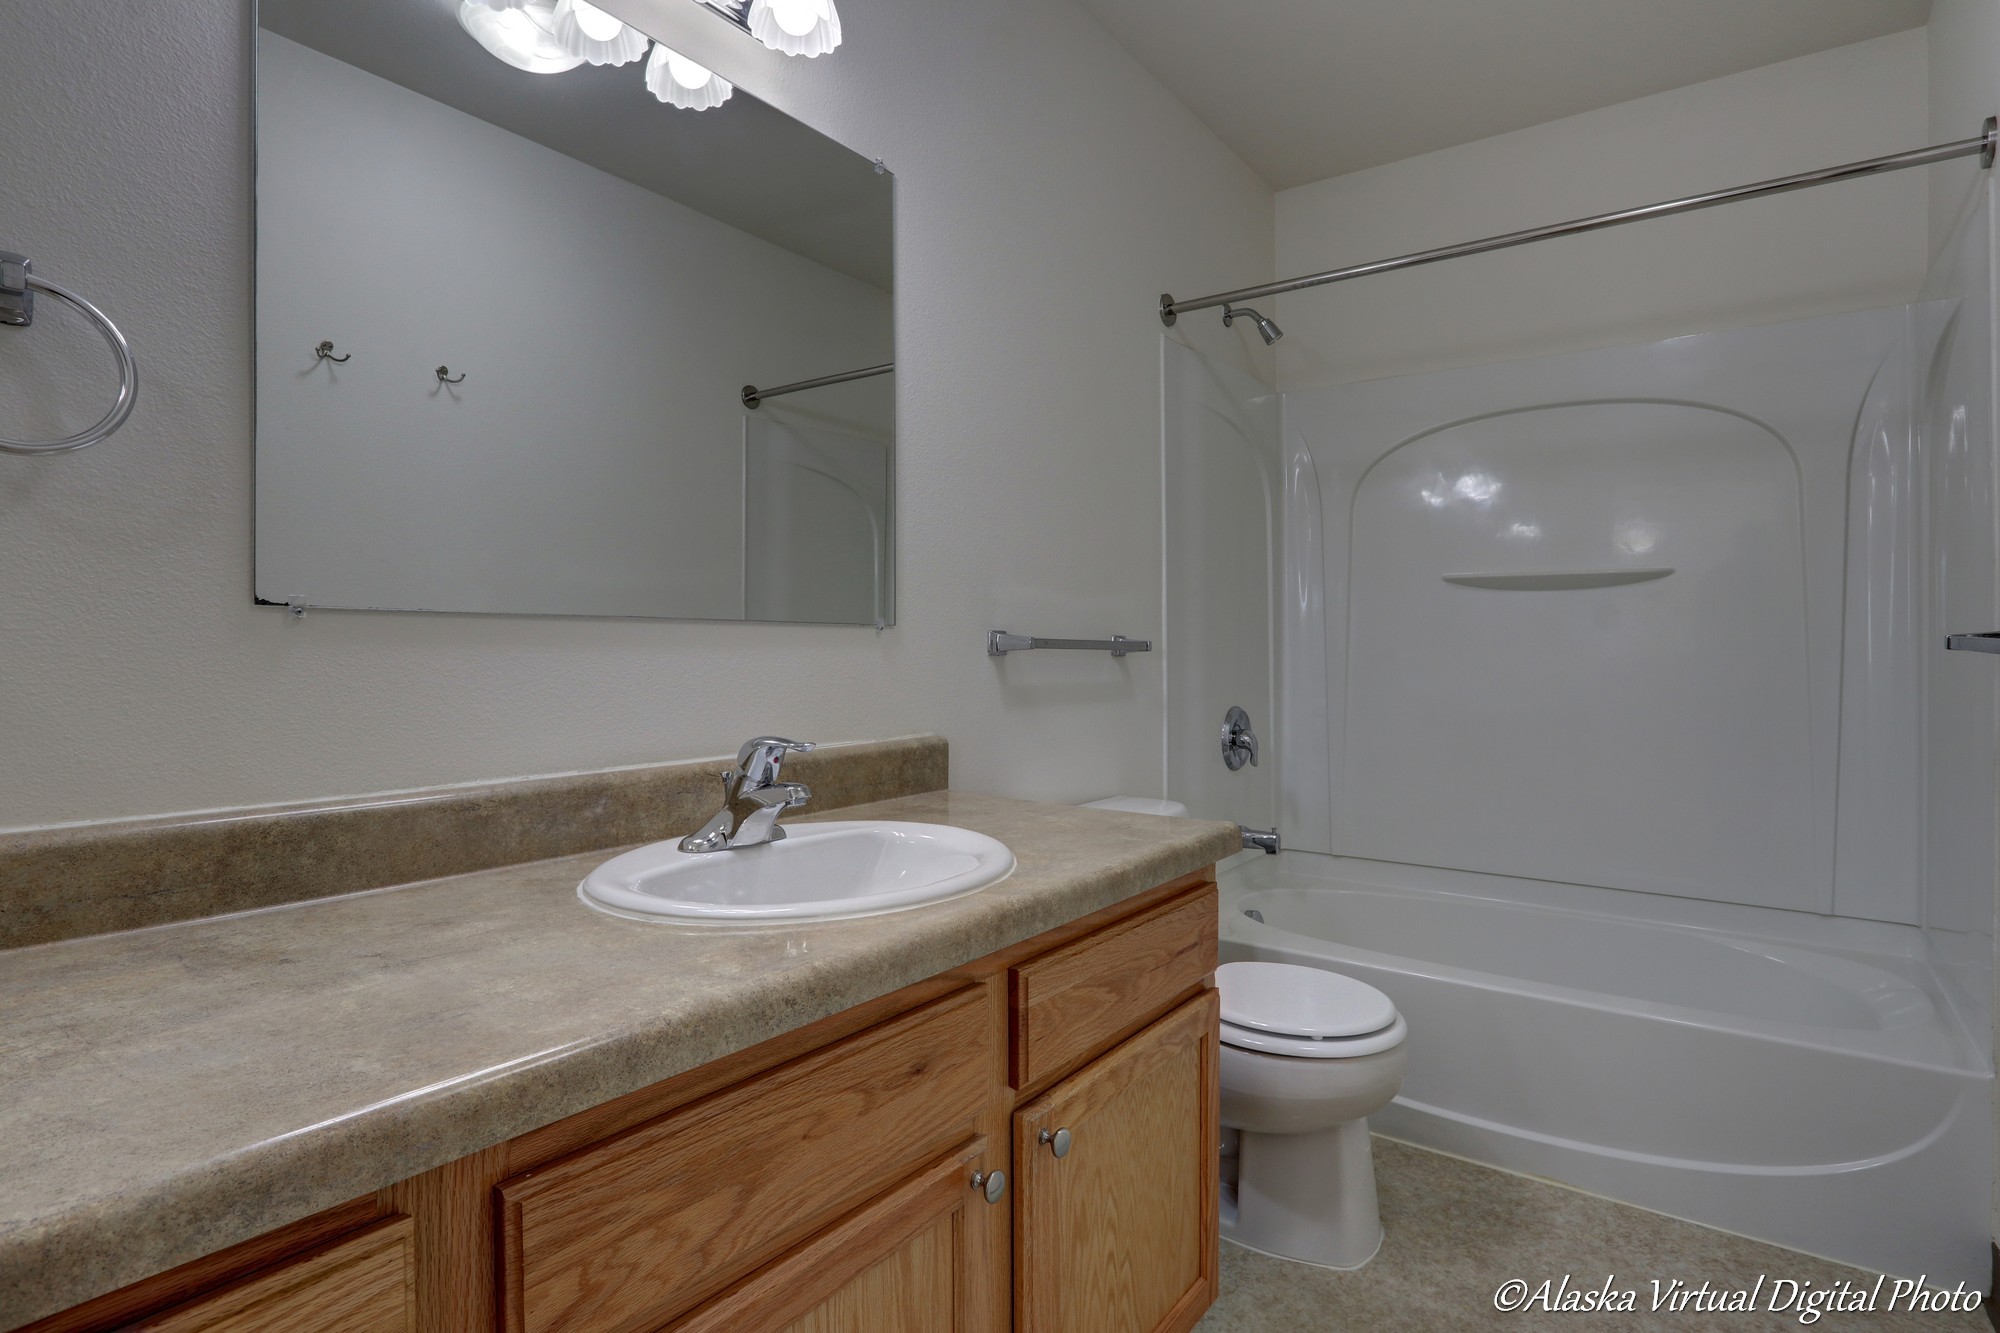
<point x="307" y="1055"/>
<point x="89" y="879"/>
<point x="1682" y="735"/>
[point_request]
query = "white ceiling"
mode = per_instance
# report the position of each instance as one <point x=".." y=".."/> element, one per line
<point x="1307" y="89"/>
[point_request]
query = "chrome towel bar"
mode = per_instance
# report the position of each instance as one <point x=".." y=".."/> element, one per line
<point x="18" y="285"/>
<point x="999" y="643"/>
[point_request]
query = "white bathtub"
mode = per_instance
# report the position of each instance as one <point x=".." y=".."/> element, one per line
<point x="1799" y="1079"/>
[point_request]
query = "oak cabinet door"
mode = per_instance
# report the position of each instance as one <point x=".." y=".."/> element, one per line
<point x="360" y="1284"/>
<point x="631" y="1233"/>
<point x="1117" y="1234"/>
<point x="916" y="1260"/>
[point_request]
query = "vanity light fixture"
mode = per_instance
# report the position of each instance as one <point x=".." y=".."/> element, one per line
<point x="678" y="81"/>
<point x="599" y="38"/>
<point x="519" y="32"/>
<point x="551" y="36"/>
<point x="797" y="27"/>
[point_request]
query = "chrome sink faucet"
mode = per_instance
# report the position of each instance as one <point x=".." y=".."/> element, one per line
<point x="753" y="785"/>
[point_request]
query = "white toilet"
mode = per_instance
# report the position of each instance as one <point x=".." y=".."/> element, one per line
<point x="1307" y="1056"/>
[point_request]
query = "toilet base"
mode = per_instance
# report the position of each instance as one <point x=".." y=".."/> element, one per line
<point x="1293" y="1259"/>
<point x="1307" y="1197"/>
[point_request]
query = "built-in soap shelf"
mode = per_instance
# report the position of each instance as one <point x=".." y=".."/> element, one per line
<point x="1557" y="580"/>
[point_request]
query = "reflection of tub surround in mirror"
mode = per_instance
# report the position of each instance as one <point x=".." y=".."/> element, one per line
<point x="596" y="458"/>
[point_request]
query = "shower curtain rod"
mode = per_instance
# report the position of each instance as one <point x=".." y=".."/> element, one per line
<point x="752" y="395"/>
<point x="1983" y="146"/>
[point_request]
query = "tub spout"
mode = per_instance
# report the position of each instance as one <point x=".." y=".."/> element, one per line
<point x="1267" y="839"/>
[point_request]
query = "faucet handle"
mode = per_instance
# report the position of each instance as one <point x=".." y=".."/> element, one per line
<point x="761" y="757"/>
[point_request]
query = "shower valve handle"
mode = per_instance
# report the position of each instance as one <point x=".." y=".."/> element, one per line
<point x="1239" y="739"/>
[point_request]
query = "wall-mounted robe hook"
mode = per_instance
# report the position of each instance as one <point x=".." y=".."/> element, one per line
<point x="444" y="376"/>
<point x="325" y="351"/>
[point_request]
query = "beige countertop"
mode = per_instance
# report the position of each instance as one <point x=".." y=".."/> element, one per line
<point x="168" y="1092"/>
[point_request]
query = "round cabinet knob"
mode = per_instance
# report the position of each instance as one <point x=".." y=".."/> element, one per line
<point x="993" y="1183"/>
<point x="1058" y="1142"/>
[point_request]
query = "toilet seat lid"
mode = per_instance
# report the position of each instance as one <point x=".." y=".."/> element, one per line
<point x="1316" y="1048"/>
<point x="1287" y="1000"/>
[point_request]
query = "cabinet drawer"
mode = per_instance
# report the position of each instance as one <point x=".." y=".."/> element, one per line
<point x="632" y="1232"/>
<point x="910" y="1262"/>
<point x="1070" y="1004"/>
<point x="362" y="1284"/>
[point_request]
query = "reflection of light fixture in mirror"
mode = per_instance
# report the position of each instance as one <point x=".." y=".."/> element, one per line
<point x="796" y="27"/>
<point x="587" y="31"/>
<point x="678" y="81"/>
<point x="522" y="34"/>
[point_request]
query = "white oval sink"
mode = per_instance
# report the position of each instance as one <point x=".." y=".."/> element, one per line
<point x="817" y="872"/>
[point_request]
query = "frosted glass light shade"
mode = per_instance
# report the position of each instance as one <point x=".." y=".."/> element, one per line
<point x="797" y="27"/>
<point x="589" y="33"/>
<point x="678" y="81"/>
<point x="522" y="34"/>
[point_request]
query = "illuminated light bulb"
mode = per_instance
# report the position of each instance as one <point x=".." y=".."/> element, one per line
<point x="596" y="24"/>
<point x="796" y="27"/>
<point x="797" y="17"/>
<point x="686" y="73"/>
<point x="587" y="32"/>
<point x="678" y="81"/>
<point x="520" y="33"/>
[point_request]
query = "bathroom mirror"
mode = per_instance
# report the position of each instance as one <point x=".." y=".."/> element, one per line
<point x="506" y="317"/>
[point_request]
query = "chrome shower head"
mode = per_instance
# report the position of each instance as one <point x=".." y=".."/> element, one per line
<point x="1266" y="330"/>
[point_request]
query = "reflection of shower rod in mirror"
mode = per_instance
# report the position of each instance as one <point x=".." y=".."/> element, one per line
<point x="752" y="395"/>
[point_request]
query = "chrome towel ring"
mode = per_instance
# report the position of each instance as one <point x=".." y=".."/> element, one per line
<point x="18" y="285"/>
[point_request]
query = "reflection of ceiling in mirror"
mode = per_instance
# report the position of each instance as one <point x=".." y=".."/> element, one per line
<point x="744" y="163"/>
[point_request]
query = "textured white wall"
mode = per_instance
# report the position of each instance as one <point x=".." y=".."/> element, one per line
<point x="1843" y="247"/>
<point x="1047" y="191"/>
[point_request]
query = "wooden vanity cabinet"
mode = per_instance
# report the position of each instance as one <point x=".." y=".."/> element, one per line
<point x="836" y="1179"/>
<point x="914" y="1261"/>
<point x="635" y="1231"/>
<point x="1115" y="1222"/>
<point x="361" y="1284"/>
